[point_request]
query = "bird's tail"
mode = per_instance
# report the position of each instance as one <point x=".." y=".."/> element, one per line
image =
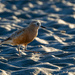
<point x="5" y="42"/>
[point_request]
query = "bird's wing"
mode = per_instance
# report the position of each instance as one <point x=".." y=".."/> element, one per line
<point x="17" y="33"/>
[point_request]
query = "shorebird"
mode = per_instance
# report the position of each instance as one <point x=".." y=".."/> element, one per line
<point x="24" y="36"/>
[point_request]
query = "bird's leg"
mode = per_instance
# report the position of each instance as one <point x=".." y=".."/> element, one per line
<point x="19" y="50"/>
<point x="25" y="47"/>
<point x="30" y="50"/>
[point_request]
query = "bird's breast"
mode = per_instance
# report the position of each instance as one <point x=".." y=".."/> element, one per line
<point x="30" y="36"/>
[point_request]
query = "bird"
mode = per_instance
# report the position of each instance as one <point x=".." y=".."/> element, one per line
<point x="24" y="36"/>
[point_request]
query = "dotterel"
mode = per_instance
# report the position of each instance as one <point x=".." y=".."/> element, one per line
<point x="24" y="36"/>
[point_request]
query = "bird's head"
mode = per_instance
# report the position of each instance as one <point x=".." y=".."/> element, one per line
<point x="36" y="24"/>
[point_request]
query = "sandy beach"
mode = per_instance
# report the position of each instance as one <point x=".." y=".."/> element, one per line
<point x="56" y="43"/>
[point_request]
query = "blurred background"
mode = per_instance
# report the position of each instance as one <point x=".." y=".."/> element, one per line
<point x="32" y="9"/>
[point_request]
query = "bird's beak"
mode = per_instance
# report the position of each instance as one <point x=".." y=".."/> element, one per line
<point x="43" y="27"/>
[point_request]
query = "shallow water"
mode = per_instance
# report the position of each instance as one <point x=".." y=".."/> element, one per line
<point x="56" y="43"/>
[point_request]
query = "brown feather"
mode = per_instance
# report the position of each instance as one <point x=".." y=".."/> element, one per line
<point x="27" y="36"/>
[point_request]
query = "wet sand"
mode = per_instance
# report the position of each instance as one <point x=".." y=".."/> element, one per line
<point x="56" y="43"/>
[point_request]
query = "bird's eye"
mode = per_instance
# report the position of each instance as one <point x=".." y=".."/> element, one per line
<point x="38" y="24"/>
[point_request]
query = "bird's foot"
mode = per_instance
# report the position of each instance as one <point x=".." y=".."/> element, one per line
<point x="32" y="51"/>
